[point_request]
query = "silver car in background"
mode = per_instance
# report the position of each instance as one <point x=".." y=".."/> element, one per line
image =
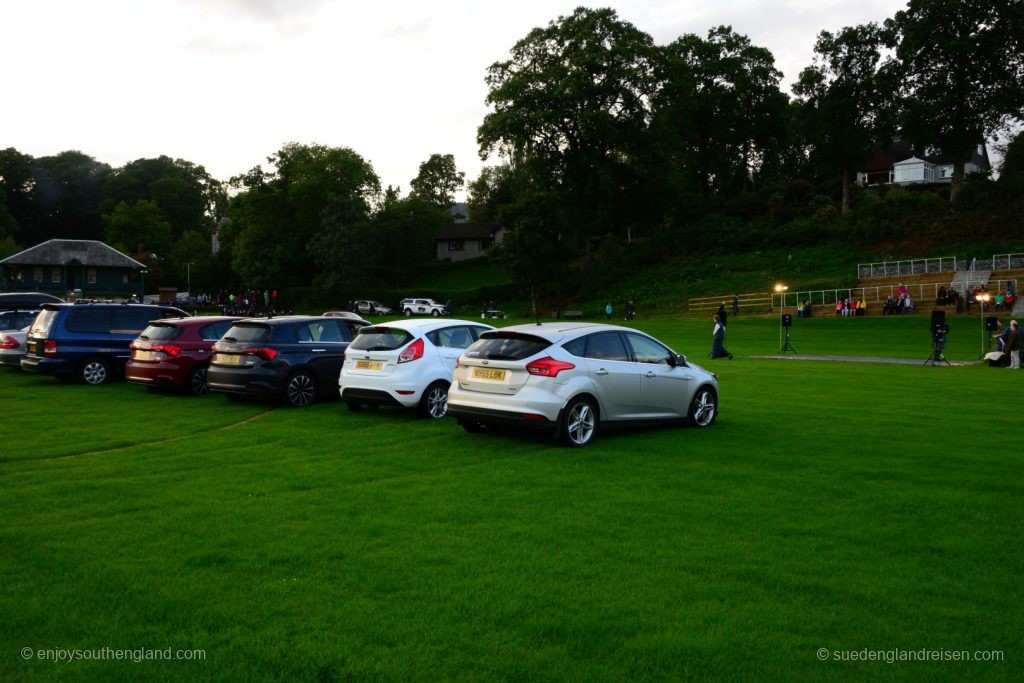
<point x="575" y="378"/>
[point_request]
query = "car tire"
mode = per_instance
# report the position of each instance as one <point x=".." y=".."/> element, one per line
<point x="408" y="312"/>
<point x="434" y="403"/>
<point x="703" y="408"/>
<point x="300" y="389"/>
<point x="435" y="313"/>
<point x="94" y="371"/>
<point x="579" y="423"/>
<point x="196" y="382"/>
<point x="471" y="426"/>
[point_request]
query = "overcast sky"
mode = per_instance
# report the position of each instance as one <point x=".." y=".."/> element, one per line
<point x="224" y="83"/>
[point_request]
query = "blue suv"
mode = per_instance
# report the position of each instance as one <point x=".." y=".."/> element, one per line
<point x="89" y="342"/>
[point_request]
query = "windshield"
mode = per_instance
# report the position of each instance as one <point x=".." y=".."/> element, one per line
<point x="247" y="334"/>
<point x="380" y="339"/>
<point x="41" y="325"/>
<point x="160" y="332"/>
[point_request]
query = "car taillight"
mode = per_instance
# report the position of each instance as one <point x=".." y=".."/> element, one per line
<point x="548" y="367"/>
<point x="9" y="343"/>
<point x="50" y="347"/>
<point x="172" y="350"/>
<point x="411" y="352"/>
<point x="264" y="352"/>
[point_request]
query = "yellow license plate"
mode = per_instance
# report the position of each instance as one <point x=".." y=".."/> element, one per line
<point x="33" y="347"/>
<point x="369" y="364"/>
<point x="145" y="355"/>
<point x="228" y="359"/>
<point x="489" y="374"/>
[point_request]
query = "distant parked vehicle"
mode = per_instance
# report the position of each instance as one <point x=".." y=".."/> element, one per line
<point x="176" y="352"/>
<point x="26" y="300"/>
<point x="12" y="347"/>
<point x="370" y="307"/>
<point x="573" y="379"/>
<point x="342" y="314"/>
<point x="423" y="307"/>
<point x="88" y="341"/>
<point x="297" y="358"/>
<point x="15" y="320"/>
<point x="405" y="363"/>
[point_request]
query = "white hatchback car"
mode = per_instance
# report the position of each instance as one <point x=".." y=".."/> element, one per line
<point x="573" y="378"/>
<point x="406" y="363"/>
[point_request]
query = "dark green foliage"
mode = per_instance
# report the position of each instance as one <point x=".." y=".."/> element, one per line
<point x="438" y="180"/>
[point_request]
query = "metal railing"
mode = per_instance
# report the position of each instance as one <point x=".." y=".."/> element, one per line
<point x="945" y="264"/>
<point x="1004" y="262"/>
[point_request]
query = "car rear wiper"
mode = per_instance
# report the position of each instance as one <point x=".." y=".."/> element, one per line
<point x="142" y="336"/>
<point x="499" y="356"/>
<point x="230" y="339"/>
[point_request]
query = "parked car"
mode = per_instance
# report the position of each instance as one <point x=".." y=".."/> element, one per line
<point x="423" y="307"/>
<point x="341" y="314"/>
<point x="175" y="352"/>
<point x="573" y="379"/>
<point x="370" y="307"/>
<point x="17" y="319"/>
<point x="405" y="363"/>
<point x="12" y="346"/>
<point x="87" y="341"/>
<point x="297" y="358"/>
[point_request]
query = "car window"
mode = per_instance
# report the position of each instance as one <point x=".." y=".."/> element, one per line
<point x="606" y="346"/>
<point x="326" y="331"/>
<point x="458" y="337"/>
<point x="502" y="345"/>
<point x="161" y="332"/>
<point x="375" y="338"/>
<point x="247" y="333"/>
<point x="214" y="331"/>
<point x="89" y="320"/>
<point x="352" y="328"/>
<point x="130" y="320"/>
<point x="646" y="350"/>
<point x="477" y="330"/>
<point x="577" y="347"/>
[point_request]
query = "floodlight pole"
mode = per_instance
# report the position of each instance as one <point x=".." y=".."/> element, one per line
<point x="982" y="300"/>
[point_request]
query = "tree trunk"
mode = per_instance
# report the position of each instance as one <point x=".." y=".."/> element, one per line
<point x="846" y="191"/>
<point x="533" y="300"/>
<point x="958" y="180"/>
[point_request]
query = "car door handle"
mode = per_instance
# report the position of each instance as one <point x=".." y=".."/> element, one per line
<point x="602" y="371"/>
<point x="317" y="350"/>
<point x="648" y="374"/>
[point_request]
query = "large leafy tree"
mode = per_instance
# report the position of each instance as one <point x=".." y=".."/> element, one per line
<point x="845" y="100"/>
<point x="961" y="67"/>
<point x="719" y="113"/>
<point x="67" y="193"/>
<point x="17" y="195"/>
<point x="278" y="212"/>
<point x="140" y="229"/>
<point x="438" y="180"/>
<point x="570" y="105"/>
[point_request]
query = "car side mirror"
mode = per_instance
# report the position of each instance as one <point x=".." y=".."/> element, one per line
<point x="677" y="360"/>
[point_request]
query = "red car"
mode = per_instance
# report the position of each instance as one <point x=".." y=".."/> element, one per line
<point x="175" y="352"/>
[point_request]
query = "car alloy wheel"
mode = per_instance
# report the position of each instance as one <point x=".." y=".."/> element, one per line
<point x="300" y="390"/>
<point x="197" y="381"/>
<point x="704" y="407"/>
<point x="435" y="400"/>
<point x="95" y="371"/>
<point x="408" y="312"/>
<point x="579" y="423"/>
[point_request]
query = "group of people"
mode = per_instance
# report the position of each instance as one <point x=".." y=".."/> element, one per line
<point x="609" y="310"/>
<point x="718" y="349"/>
<point x="1009" y="345"/>
<point x="247" y="303"/>
<point x="894" y="306"/>
<point x="846" y="308"/>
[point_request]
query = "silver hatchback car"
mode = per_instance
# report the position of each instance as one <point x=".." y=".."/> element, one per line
<point x="574" y="378"/>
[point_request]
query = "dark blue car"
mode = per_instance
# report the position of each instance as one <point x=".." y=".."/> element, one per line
<point x="89" y="342"/>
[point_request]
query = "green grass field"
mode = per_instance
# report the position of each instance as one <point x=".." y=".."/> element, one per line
<point x="846" y="506"/>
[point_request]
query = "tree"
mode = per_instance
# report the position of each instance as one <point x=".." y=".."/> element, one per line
<point x="278" y="213"/>
<point x="67" y="193"/>
<point x="138" y="228"/>
<point x="438" y="180"/>
<point x="844" y="100"/>
<point x="570" y="107"/>
<point x="492" y="189"/>
<point x="961" y="68"/>
<point x="17" y="195"/>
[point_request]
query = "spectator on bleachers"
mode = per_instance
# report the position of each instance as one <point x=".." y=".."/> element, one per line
<point x="889" y="307"/>
<point x="1000" y="301"/>
<point x="1010" y="299"/>
<point x="839" y="307"/>
<point x="908" y="304"/>
<point x="942" y="298"/>
<point x="862" y="307"/>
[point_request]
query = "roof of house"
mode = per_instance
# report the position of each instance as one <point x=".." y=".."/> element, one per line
<point x="62" y="252"/>
<point x="901" y="150"/>
<point x="468" y="231"/>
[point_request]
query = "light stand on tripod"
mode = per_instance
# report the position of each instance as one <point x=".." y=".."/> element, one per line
<point x="785" y="323"/>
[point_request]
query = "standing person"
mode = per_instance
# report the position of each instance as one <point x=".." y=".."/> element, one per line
<point x="630" y="310"/>
<point x="608" y="311"/>
<point x="718" y="349"/>
<point x="1014" y="345"/>
<point x="722" y="315"/>
<point x="735" y="305"/>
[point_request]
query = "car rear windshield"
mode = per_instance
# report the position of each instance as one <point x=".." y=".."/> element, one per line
<point x="161" y="332"/>
<point x="41" y="325"/>
<point x="503" y="345"/>
<point x="247" y="333"/>
<point x="380" y="339"/>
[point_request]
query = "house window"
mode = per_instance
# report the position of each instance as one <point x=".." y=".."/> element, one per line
<point x="55" y="276"/>
<point x="37" y="276"/>
<point x="456" y="245"/>
<point x="90" y="276"/>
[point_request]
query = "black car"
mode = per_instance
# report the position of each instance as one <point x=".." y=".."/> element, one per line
<point x="87" y="341"/>
<point x="297" y="358"/>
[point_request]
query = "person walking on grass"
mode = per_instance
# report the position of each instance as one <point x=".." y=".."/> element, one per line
<point x="718" y="349"/>
<point x="1014" y="345"/>
<point x="608" y="311"/>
